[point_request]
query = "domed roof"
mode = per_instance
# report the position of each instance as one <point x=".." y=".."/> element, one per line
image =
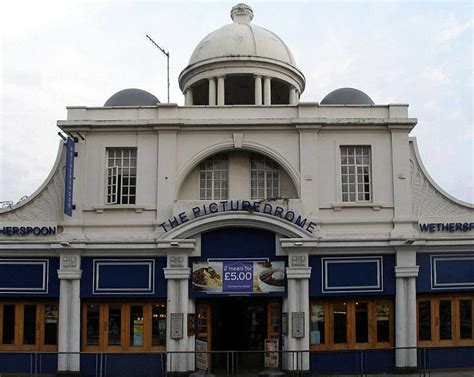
<point x="241" y="38"/>
<point x="347" y="96"/>
<point x="132" y="97"/>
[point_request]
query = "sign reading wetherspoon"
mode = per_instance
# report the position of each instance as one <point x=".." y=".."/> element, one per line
<point x="27" y="230"/>
<point x="238" y="205"/>
<point x="239" y="276"/>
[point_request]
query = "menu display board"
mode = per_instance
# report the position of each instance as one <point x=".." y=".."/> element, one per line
<point x="239" y="276"/>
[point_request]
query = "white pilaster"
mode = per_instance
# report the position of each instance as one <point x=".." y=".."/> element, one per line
<point x="220" y="91"/>
<point x="177" y="274"/>
<point x="212" y="91"/>
<point x="188" y="97"/>
<point x="258" y="90"/>
<point x="69" y="323"/>
<point x="267" y="91"/>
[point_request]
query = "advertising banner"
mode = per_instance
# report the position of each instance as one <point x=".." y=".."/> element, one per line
<point x="239" y="276"/>
<point x="69" y="179"/>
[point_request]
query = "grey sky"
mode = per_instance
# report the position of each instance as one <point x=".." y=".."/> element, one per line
<point x="55" y="54"/>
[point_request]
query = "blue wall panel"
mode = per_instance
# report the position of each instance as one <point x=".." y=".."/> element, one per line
<point x="445" y="272"/>
<point x="123" y="277"/>
<point x="29" y="277"/>
<point x="27" y="363"/>
<point x="444" y="358"/>
<point x="118" y="365"/>
<point x="347" y="275"/>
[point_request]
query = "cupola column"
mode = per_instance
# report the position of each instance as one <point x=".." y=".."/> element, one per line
<point x="220" y="91"/>
<point x="212" y="91"/>
<point x="267" y="91"/>
<point x="293" y="96"/>
<point x="258" y="90"/>
<point x="188" y="97"/>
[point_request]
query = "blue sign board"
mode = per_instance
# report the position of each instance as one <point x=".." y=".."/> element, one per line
<point x="237" y="277"/>
<point x="69" y="181"/>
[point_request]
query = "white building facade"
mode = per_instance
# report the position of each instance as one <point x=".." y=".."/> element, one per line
<point x="241" y="220"/>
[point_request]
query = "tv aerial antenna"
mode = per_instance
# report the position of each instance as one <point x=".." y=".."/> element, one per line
<point x="167" y="54"/>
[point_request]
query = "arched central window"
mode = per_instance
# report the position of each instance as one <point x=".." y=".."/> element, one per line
<point x="214" y="178"/>
<point x="264" y="177"/>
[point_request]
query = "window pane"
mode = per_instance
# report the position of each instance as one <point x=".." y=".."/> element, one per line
<point x="339" y="319"/>
<point x="8" y="327"/>
<point x="115" y="321"/>
<point x="50" y="324"/>
<point x="29" y="324"/>
<point x="158" y="336"/>
<point x="317" y="324"/>
<point x="92" y="325"/>
<point x="383" y="322"/>
<point x="424" y="320"/>
<point x="136" y="326"/>
<point x="445" y="320"/>
<point x="465" y="317"/>
<point x="362" y="322"/>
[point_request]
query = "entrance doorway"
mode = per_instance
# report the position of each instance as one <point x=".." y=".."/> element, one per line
<point x="239" y="324"/>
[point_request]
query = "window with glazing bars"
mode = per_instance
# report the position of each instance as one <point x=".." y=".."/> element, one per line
<point x="214" y="178"/>
<point x="264" y="177"/>
<point x="355" y="173"/>
<point x="121" y="175"/>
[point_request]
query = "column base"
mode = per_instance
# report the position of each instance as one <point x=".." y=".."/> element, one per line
<point x="299" y="373"/>
<point x="406" y="370"/>
<point x="67" y="373"/>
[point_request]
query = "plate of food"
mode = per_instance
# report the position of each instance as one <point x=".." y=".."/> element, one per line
<point x="207" y="277"/>
<point x="272" y="279"/>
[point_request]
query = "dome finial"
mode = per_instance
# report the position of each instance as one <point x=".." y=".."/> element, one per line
<point x="241" y="13"/>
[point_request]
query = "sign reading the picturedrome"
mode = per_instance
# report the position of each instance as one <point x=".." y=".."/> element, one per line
<point x="238" y="205"/>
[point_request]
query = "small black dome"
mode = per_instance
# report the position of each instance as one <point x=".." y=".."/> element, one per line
<point x="347" y="96"/>
<point x="132" y="97"/>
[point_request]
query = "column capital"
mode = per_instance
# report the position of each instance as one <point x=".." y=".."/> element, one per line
<point x="407" y="271"/>
<point x="176" y="273"/>
<point x="298" y="272"/>
<point x="70" y="266"/>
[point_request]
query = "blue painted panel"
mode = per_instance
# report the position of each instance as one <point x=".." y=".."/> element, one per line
<point x="237" y="243"/>
<point x="110" y="275"/>
<point x="129" y="365"/>
<point x="445" y="358"/>
<point x="123" y="277"/>
<point x="351" y="274"/>
<point x="354" y="273"/>
<point x="333" y="362"/>
<point x="445" y="272"/>
<point x="11" y="362"/>
<point x="29" y="277"/>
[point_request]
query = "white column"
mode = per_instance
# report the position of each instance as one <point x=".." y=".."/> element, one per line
<point x="177" y="274"/>
<point x="298" y="275"/>
<point x="293" y="96"/>
<point x="406" y="272"/>
<point x="69" y="324"/>
<point x="188" y="97"/>
<point x="267" y="91"/>
<point x="258" y="90"/>
<point x="401" y="326"/>
<point x="212" y="91"/>
<point x="220" y="91"/>
<point x="411" y="315"/>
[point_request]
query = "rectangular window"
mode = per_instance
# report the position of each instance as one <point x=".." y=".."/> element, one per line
<point x="121" y="175"/>
<point x="214" y="178"/>
<point x="92" y="325"/>
<point x="115" y="325"/>
<point x="264" y="177"/>
<point x="23" y="327"/>
<point x="465" y="319"/>
<point x="356" y="173"/>
<point x="445" y="320"/>
<point x="340" y="322"/>
<point x="317" y="324"/>
<point x="8" y="327"/>
<point x="29" y="324"/>
<point x="351" y="324"/>
<point x="51" y="324"/>
<point x="124" y="326"/>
